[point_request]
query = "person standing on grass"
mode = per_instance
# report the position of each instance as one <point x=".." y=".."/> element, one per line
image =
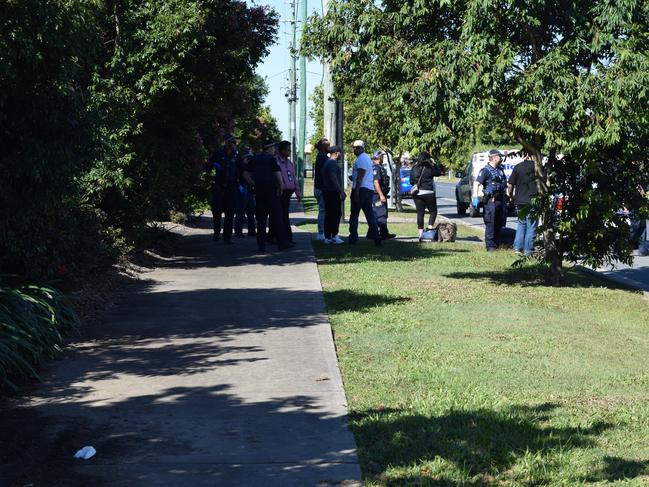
<point x="227" y="170"/>
<point x="491" y="185"/>
<point x="381" y="192"/>
<point x="333" y="194"/>
<point x="362" y="194"/>
<point x="423" y="176"/>
<point x="522" y="187"/>
<point x="264" y="175"/>
<point x="320" y="160"/>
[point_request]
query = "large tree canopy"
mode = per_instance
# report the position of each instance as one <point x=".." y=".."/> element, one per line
<point x="566" y="79"/>
<point x="107" y="110"/>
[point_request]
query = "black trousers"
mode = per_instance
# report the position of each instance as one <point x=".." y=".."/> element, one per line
<point x="269" y="207"/>
<point x="333" y="212"/>
<point x="495" y="217"/>
<point x="425" y="202"/>
<point x="285" y="200"/>
<point x="224" y="201"/>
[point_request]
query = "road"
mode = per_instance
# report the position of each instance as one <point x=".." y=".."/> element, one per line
<point x="636" y="275"/>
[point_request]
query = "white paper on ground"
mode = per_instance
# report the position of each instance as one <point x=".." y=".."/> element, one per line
<point x="86" y="452"/>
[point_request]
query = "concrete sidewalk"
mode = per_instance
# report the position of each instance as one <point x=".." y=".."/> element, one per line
<point x="220" y="371"/>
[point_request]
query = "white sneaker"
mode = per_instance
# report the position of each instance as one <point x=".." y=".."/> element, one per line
<point x="320" y="237"/>
<point x="337" y="240"/>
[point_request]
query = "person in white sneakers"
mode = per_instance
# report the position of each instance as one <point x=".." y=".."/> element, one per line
<point x="333" y="195"/>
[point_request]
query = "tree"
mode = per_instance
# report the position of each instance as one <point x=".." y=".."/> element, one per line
<point x="566" y="79"/>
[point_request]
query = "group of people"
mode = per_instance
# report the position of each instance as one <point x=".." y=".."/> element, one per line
<point x="255" y="189"/>
<point x="370" y="190"/>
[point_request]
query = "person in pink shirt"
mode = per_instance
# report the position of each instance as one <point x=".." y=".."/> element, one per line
<point x="291" y="184"/>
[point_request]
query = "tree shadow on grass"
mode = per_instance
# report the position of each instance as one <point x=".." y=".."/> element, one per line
<point x="343" y="300"/>
<point x="481" y="444"/>
<point x="391" y="251"/>
<point x="535" y="275"/>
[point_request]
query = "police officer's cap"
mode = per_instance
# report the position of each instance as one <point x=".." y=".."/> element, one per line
<point x="377" y="155"/>
<point x="495" y="152"/>
<point x="333" y="148"/>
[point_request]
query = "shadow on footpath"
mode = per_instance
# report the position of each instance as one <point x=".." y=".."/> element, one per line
<point x="148" y="436"/>
<point x="480" y="444"/>
<point x="153" y="336"/>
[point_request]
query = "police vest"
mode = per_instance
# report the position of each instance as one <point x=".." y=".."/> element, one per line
<point x="495" y="181"/>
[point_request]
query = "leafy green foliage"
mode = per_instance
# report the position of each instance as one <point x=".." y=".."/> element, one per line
<point x="560" y="77"/>
<point x="33" y="323"/>
<point x="108" y="110"/>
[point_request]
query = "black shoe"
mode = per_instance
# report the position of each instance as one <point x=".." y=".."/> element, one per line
<point x="388" y="236"/>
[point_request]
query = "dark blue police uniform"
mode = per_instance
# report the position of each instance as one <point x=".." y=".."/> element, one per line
<point x="225" y="188"/>
<point x="494" y="183"/>
<point x="263" y="168"/>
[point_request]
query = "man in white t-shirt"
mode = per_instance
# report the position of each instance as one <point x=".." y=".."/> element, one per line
<point x="362" y="194"/>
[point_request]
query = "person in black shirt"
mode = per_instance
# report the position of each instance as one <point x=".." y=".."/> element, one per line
<point x="423" y="176"/>
<point x="320" y="161"/>
<point x="333" y="194"/>
<point x="227" y="167"/>
<point x="381" y="192"/>
<point x="264" y="175"/>
<point x="523" y="186"/>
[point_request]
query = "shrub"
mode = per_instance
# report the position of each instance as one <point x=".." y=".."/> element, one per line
<point x="34" y="321"/>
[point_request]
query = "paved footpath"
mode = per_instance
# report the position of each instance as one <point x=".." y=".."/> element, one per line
<point x="220" y="371"/>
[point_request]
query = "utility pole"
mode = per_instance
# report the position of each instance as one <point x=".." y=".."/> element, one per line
<point x="301" y="141"/>
<point x="292" y="91"/>
<point x="334" y="119"/>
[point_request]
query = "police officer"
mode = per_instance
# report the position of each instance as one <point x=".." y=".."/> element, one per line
<point x="264" y="176"/>
<point x="245" y="200"/>
<point x="491" y="185"/>
<point x="227" y="166"/>
<point x="381" y="192"/>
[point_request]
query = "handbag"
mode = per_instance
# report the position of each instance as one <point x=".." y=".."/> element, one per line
<point x="415" y="189"/>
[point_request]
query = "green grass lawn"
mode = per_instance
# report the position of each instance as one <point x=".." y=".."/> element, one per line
<point x="460" y="370"/>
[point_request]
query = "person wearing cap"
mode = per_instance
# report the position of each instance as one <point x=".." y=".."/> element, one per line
<point x="245" y="200"/>
<point x="362" y="194"/>
<point x="289" y="183"/>
<point x="320" y="160"/>
<point x="523" y="187"/>
<point x="225" y="186"/>
<point x="381" y="192"/>
<point x="333" y="194"/>
<point x="264" y="175"/>
<point x="491" y="186"/>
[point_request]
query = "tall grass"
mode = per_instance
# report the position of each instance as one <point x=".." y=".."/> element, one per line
<point x="33" y="323"/>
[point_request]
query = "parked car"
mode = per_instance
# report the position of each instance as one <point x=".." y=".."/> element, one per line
<point x="405" y="187"/>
